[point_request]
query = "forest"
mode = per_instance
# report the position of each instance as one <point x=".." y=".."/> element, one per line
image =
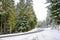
<point x="22" y="18"/>
<point x="16" y="18"/>
<point x="20" y="21"/>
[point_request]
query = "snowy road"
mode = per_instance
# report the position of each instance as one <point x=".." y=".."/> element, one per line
<point x="48" y="34"/>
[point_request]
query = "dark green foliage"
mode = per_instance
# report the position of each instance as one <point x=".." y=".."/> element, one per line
<point x="54" y="8"/>
<point x="7" y="16"/>
<point x="26" y="18"/>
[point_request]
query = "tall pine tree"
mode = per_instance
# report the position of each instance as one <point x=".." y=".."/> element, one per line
<point x="30" y="12"/>
<point x="8" y="16"/>
<point x="54" y="8"/>
<point x="1" y="17"/>
<point x="26" y="16"/>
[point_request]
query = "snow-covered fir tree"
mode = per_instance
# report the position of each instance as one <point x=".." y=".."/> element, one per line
<point x="26" y="19"/>
<point x="54" y="8"/>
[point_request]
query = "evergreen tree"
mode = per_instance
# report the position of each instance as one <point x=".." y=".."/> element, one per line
<point x="20" y="14"/>
<point x="11" y="19"/>
<point x="54" y="8"/>
<point x="30" y="12"/>
<point x="1" y="21"/>
<point x="26" y="17"/>
<point x="8" y="16"/>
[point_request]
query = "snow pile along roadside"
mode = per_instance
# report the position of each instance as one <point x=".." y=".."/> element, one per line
<point x="47" y="34"/>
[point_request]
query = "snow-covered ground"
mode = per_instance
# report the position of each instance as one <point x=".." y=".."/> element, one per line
<point x="47" y="34"/>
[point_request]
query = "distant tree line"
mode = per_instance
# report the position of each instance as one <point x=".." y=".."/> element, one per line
<point x="42" y="24"/>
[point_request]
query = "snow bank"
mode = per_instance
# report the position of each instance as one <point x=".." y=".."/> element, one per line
<point x="48" y="34"/>
<point x="36" y="29"/>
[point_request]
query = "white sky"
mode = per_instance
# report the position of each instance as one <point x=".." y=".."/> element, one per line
<point x="39" y="8"/>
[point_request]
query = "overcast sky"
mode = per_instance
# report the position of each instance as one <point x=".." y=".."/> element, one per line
<point x="39" y="8"/>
